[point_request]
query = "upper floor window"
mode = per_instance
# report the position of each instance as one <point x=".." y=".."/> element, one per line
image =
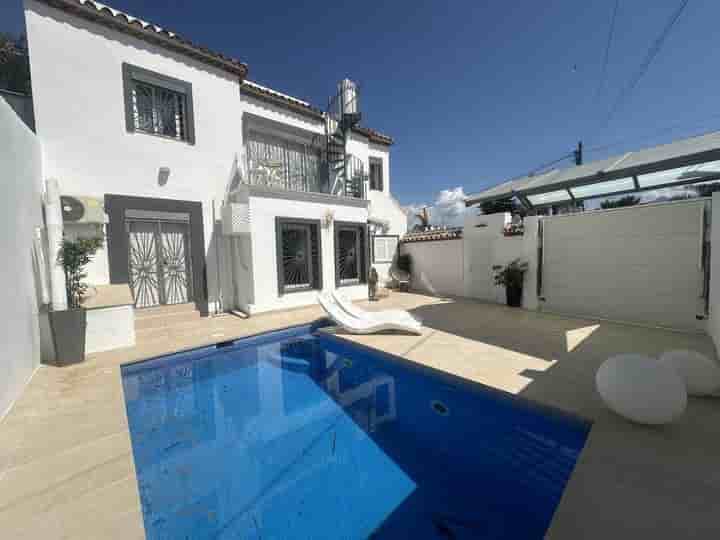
<point x="157" y="104"/>
<point x="376" y="174"/>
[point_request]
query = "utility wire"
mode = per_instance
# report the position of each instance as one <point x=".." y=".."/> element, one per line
<point x="649" y="57"/>
<point x="603" y="73"/>
<point x="656" y="133"/>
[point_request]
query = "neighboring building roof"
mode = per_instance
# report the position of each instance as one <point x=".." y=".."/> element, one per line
<point x="303" y="107"/>
<point x="107" y="16"/>
<point x="453" y="233"/>
<point x="680" y="153"/>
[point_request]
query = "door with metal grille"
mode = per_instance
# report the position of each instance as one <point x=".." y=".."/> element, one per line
<point x="160" y="271"/>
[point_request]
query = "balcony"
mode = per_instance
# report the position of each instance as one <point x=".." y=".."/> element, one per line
<point x="303" y="170"/>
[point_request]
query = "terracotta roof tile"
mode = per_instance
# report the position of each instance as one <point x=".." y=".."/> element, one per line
<point x="453" y="233"/>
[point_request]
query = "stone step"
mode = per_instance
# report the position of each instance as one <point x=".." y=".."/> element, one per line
<point x="165" y="319"/>
<point x="157" y="310"/>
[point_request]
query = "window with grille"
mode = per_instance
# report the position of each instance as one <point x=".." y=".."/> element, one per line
<point x="298" y="255"/>
<point x="384" y="248"/>
<point x="350" y="259"/>
<point x="376" y="174"/>
<point x="157" y="104"/>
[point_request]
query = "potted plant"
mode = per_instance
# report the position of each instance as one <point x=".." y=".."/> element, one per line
<point x="511" y="277"/>
<point x="68" y="326"/>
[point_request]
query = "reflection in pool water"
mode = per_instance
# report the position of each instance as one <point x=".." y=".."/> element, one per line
<point x="299" y="435"/>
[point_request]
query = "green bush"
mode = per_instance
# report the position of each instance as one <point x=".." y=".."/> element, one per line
<point x="74" y="256"/>
<point x="404" y="262"/>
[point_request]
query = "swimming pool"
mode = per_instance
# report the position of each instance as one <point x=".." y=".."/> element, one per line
<point x="299" y="434"/>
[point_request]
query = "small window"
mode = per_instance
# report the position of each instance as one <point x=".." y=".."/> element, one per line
<point x="350" y="260"/>
<point x="298" y="255"/>
<point x="384" y="247"/>
<point x="376" y="174"/>
<point x="157" y="104"/>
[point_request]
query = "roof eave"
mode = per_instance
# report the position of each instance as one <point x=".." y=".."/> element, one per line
<point x="163" y="38"/>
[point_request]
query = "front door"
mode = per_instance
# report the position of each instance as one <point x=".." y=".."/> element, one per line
<point x="160" y="271"/>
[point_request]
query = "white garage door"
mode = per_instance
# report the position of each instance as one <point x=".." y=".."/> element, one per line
<point x="641" y="264"/>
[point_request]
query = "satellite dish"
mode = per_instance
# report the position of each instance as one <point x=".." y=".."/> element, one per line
<point x="72" y="209"/>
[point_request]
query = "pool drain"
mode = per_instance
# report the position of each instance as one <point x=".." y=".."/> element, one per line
<point x="439" y="407"/>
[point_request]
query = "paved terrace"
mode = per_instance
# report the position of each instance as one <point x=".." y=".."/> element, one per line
<point x="66" y="468"/>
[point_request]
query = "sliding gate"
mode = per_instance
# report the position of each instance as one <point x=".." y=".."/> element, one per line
<point x="641" y="264"/>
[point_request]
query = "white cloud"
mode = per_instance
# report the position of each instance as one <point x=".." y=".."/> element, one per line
<point x="447" y="210"/>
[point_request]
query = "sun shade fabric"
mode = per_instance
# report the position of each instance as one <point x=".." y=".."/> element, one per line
<point x="603" y="188"/>
<point x="549" y="197"/>
<point x="680" y="174"/>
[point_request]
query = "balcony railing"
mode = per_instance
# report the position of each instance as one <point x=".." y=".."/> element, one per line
<point x="280" y="168"/>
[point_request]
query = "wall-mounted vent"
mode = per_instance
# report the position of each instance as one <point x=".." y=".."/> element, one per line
<point x="236" y="219"/>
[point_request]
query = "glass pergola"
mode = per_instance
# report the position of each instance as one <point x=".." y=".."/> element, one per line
<point x="688" y="161"/>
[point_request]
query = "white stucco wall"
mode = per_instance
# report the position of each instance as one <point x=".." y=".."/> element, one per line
<point x="20" y="212"/>
<point x="264" y="210"/>
<point x="76" y="68"/>
<point x="486" y="248"/>
<point x="437" y="267"/>
<point x="713" y="322"/>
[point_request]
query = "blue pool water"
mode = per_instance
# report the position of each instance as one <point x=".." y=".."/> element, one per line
<point x="296" y="434"/>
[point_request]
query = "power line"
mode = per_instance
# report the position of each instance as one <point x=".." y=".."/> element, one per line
<point x="657" y="132"/>
<point x="603" y="73"/>
<point x="649" y="57"/>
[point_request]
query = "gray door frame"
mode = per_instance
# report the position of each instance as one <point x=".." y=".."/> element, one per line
<point x="118" y="241"/>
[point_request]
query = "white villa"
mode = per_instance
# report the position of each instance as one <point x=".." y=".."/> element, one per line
<point x="207" y="187"/>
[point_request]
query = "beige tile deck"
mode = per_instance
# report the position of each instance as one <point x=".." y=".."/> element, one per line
<point x="66" y="467"/>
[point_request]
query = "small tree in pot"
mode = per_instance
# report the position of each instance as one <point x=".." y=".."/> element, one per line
<point x="511" y="277"/>
<point x="68" y="326"/>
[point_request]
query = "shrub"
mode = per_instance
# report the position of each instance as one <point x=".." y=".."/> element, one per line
<point x="404" y="262"/>
<point x="512" y="274"/>
<point x="74" y="256"/>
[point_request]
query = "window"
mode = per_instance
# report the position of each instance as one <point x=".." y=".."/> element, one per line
<point x="157" y="104"/>
<point x="376" y="174"/>
<point x="384" y="247"/>
<point x="350" y="267"/>
<point x="276" y="162"/>
<point x="298" y="255"/>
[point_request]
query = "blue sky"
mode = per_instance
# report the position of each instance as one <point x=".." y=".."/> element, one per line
<point x="473" y="92"/>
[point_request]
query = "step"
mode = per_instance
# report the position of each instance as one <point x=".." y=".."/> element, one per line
<point x="158" y="310"/>
<point x="165" y="320"/>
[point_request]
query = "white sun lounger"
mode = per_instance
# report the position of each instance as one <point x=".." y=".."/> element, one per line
<point x="355" y="325"/>
<point x="388" y="314"/>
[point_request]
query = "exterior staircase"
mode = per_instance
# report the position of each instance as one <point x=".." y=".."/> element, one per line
<point x="155" y="322"/>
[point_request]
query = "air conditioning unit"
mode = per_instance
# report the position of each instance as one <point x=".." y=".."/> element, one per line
<point x="236" y="219"/>
<point x="82" y="210"/>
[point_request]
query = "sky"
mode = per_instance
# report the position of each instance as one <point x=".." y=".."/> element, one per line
<point x="473" y="92"/>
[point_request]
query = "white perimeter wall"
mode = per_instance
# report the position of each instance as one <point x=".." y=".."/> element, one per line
<point x="713" y="323"/>
<point x="486" y="249"/>
<point x="20" y="212"/>
<point x="437" y="266"/>
<point x="76" y="68"/>
<point x="264" y="210"/>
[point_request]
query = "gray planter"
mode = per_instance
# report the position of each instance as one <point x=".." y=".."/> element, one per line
<point x="68" y="330"/>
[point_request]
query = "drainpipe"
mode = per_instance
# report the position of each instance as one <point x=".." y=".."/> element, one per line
<point x="54" y="224"/>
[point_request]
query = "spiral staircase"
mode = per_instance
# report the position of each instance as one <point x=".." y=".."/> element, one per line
<point x="346" y="173"/>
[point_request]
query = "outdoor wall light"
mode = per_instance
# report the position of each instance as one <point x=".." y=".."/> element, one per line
<point x="163" y="175"/>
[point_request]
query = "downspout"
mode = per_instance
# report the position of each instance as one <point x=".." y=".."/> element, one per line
<point x="54" y="224"/>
